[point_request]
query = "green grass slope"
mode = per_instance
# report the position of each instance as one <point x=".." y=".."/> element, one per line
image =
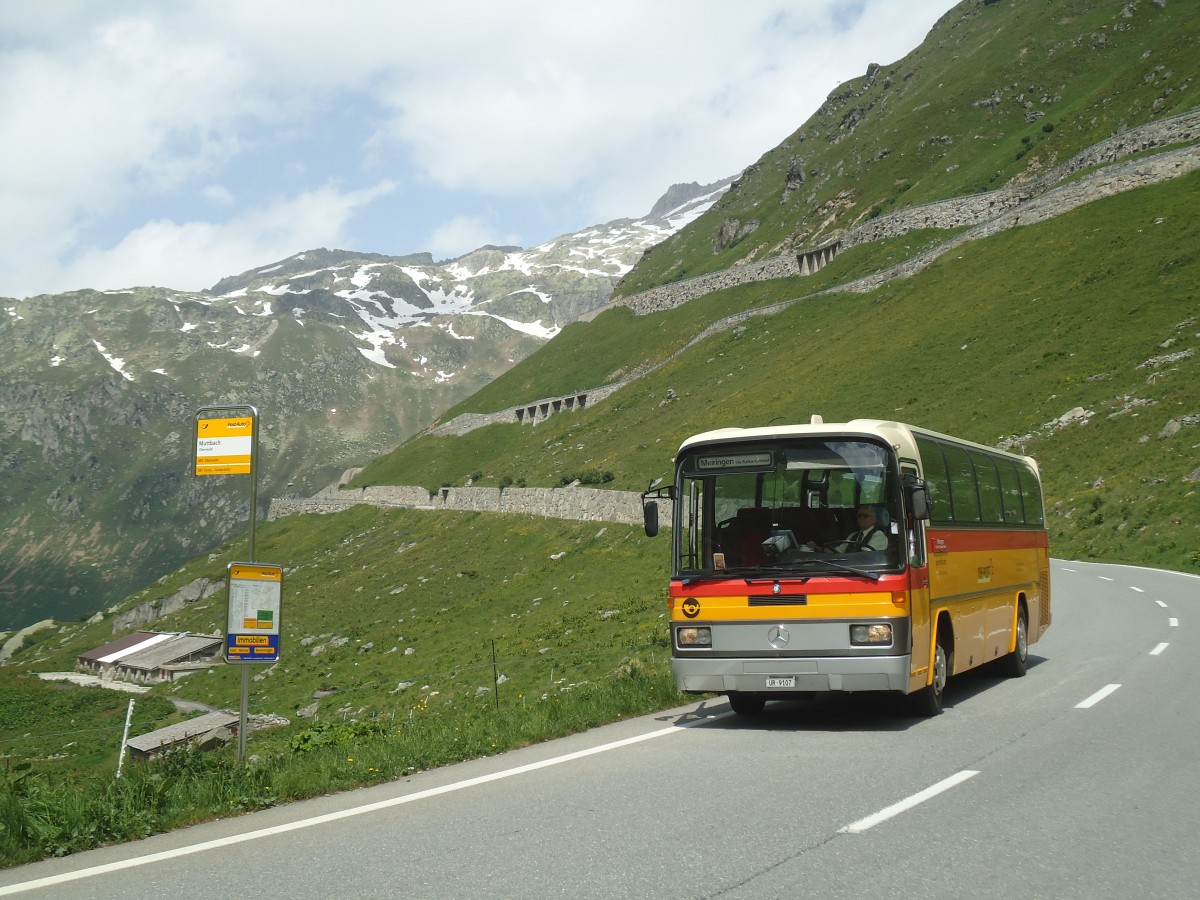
<point x="373" y="599"/>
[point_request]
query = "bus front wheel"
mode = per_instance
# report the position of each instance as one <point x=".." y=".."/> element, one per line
<point x="927" y="702"/>
<point x="746" y="704"/>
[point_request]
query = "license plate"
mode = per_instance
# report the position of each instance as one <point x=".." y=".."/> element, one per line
<point x="788" y="681"/>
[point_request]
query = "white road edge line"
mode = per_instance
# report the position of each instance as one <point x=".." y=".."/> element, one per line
<point x="908" y="803"/>
<point x="1157" y="651"/>
<point x="1147" y="569"/>
<point x="134" y="862"/>
<point x="1097" y="697"/>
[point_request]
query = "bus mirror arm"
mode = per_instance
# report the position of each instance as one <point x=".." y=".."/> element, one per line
<point x="918" y="500"/>
<point x="650" y="498"/>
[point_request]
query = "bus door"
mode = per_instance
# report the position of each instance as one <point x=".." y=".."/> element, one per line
<point x="918" y="589"/>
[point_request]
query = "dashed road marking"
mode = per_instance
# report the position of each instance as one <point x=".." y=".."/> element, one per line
<point x="1097" y="697"/>
<point x="908" y="803"/>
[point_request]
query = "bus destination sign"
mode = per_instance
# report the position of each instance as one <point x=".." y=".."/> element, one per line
<point x="727" y="461"/>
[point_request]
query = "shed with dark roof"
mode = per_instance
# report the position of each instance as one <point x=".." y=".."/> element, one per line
<point x="211" y="728"/>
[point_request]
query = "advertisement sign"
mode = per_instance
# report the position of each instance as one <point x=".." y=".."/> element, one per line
<point x="252" y="627"/>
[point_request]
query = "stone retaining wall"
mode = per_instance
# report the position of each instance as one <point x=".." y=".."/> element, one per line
<point x="1112" y="180"/>
<point x="668" y="296"/>
<point x="573" y="503"/>
<point x="526" y="413"/>
<point x="976" y="209"/>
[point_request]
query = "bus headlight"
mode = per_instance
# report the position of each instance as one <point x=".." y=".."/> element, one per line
<point x="693" y="636"/>
<point x="870" y="635"/>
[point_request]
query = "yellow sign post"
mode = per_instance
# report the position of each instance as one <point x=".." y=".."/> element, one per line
<point x="226" y="443"/>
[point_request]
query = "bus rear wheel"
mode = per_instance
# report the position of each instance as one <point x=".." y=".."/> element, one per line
<point x="746" y="704"/>
<point x="927" y="702"/>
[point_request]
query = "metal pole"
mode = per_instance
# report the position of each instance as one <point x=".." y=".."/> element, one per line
<point x="243" y="715"/>
<point x="253" y="478"/>
<point x="244" y="711"/>
<point x="124" y="738"/>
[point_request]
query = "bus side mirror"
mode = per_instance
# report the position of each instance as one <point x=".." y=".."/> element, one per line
<point x="650" y="498"/>
<point x="918" y="500"/>
<point x="650" y="514"/>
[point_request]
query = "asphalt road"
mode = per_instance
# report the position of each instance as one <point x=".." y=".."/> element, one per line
<point x="1079" y="780"/>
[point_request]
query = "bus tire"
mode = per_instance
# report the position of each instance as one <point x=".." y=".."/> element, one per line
<point x="927" y="702"/>
<point x="1015" y="664"/>
<point x="746" y="704"/>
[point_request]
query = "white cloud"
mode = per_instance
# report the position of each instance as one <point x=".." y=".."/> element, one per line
<point x="195" y="255"/>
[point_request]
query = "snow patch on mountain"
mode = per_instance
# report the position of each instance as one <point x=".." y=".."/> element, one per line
<point x="386" y="296"/>
<point x="116" y="362"/>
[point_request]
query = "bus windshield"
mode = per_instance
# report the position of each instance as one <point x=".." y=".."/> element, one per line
<point x="793" y="505"/>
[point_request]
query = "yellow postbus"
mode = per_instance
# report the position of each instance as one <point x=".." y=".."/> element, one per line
<point x="861" y="556"/>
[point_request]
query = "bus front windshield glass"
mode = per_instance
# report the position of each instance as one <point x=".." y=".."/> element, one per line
<point x="798" y="505"/>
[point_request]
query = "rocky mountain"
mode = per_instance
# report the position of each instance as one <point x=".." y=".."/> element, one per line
<point x="345" y="354"/>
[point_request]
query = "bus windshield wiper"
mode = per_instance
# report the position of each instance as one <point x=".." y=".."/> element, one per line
<point x="836" y="566"/>
<point x="748" y="572"/>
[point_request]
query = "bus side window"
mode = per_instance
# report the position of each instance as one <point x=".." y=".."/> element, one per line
<point x="990" y="508"/>
<point x="1010" y="488"/>
<point x="936" y="479"/>
<point x="964" y="497"/>
<point x="1031" y="493"/>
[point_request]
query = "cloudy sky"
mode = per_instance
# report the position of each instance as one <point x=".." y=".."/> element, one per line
<point x="172" y="144"/>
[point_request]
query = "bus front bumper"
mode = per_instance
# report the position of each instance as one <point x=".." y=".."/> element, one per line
<point x="784" y="676"/>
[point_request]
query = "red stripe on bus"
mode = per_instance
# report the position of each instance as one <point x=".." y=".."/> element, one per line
<point x="946" y="540"/>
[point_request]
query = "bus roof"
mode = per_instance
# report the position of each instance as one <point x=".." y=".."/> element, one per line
<point x="897" y="434"/>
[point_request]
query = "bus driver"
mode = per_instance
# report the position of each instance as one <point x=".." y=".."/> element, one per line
<point x="867" y="537"/>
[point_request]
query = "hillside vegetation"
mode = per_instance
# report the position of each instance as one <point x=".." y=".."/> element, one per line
<point x="997" y="93"/>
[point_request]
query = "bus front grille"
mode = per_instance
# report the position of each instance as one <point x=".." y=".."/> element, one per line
<point x="779" y="600"/>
